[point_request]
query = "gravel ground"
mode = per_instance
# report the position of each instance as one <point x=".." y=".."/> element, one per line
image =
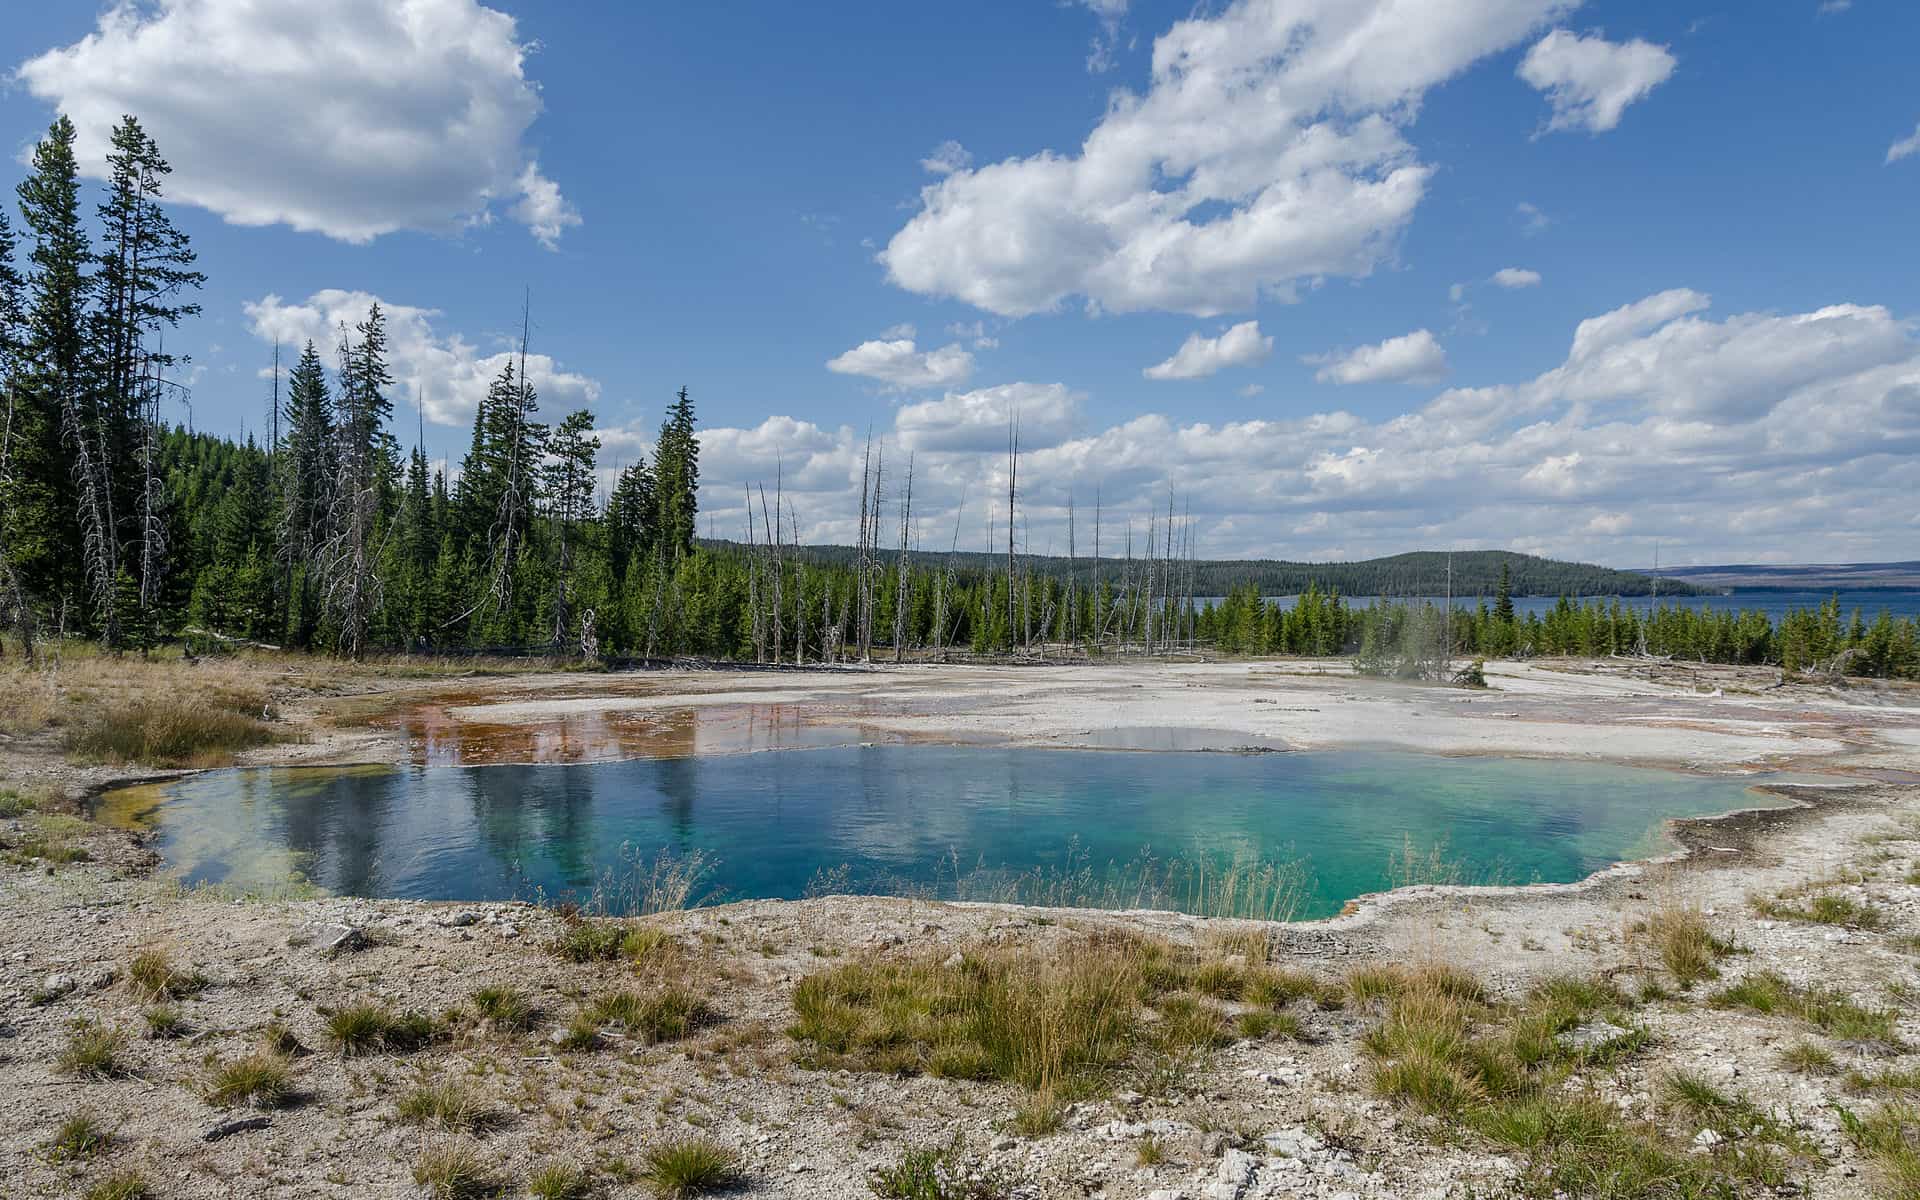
<point x="1269" y="1117"/>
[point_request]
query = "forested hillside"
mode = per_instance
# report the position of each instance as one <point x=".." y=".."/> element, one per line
<point x="1422" y="573"/>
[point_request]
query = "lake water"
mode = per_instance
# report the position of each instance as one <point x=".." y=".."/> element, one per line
<point x="1113" y="828"/>
<point x="1776" y="604"/>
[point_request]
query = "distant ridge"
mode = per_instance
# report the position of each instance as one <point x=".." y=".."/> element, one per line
<point x="1891" y="576"/>
<point x="1420" y="573"/>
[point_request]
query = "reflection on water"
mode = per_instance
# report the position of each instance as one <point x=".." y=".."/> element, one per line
<point x="923" y="818"/>
<point x="440" y="738"/>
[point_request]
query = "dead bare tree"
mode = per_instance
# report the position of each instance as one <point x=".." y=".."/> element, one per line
<point x="753" y="586"/>
<point x="902" y="583"/>
<point x="1013" y="475"/>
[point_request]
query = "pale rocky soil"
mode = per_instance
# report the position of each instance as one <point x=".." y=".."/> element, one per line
<point x="1263" y="1118"/>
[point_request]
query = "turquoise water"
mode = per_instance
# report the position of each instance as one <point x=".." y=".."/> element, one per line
<point x="1157" y="829"/>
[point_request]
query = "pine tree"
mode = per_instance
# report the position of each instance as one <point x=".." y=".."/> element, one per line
<point x="49" y="454"/>
<point x="144" y="268"/>
<point x="16" y="608"/>
<point x="350" y="583"/>
<point x="569" y="488"/>
<point x="306" y="467"/>
<point x="676" y="478"/>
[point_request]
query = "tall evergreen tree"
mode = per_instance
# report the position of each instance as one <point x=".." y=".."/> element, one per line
<point x="676" y="478"/>
<point x="145" y="268"/>
<point x="350" y="583"/>
<point x="16" y="609"/>
<point x="51" y="455"/>
<point x="569" y="487"/>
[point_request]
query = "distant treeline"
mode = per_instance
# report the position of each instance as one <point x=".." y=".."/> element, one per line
<point x="1418" y="639"/>
<point x="1422" y="573"/>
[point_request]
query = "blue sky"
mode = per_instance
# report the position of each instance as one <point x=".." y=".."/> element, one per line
<point x="1312" y="197"/>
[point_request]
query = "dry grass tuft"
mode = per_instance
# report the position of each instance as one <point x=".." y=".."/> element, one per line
<point x="92" y="1051"/>
<point x="454" y="1170"/>
<point x="1686" y="945"/>
<point x="258" y="1080"/>
<point x="689" y="1166"/>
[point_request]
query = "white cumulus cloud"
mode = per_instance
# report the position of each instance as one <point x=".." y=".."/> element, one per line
<point x="1906" y="147"/>
<point x="977" y="420"/>
<point x="1410" y="358"/>
<point x="1200" y="356"/>
<point x="353" y="118"/>
<point x="1726" y="438"/>
<point x="444" y="372"/>
<point x="1589" y="81"/>
<point x="897" y="362"/>
<point x="1516" y="277"/>
<point x="1267" y="150"/>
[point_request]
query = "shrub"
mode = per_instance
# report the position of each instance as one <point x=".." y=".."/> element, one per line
<point x="259" y="1080"/>
<point x="688" y="1166"/>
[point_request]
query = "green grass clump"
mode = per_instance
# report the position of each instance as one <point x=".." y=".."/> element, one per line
<point x="454" y="1171"/>
<point x="164" y="1022"/>
<point x="1504" y="1072"/>
<point x="258" y="1080"/>
<point x="1687" y="947"/>
<point x="121" y="1185"/>
<point x="1824" y="908"/>
<point x="933" y="1173"/>
<point x="80" y="1136"/>
<point x="1828" y="1009"/>
<point x="1038" y="1115"/>
<point x="504" y="1008"/>
<point x="363" y="1028"/>
<point x="664" y="1014"/>
<point x="688" y="1166"/>
<point x="585" y="939"/>
<point x="1260" y="1023"/>
<point x="1278" y="988"/>
<point x="176" y="732"/>
<point x="1041" y="1020"/>
<point x="559" y="1181"/>
<point x="1809" y="1058"/>
<point x="1374" y="983"/>
<point x="1890" y="1138"/>
<point x="92" y="1051"/>
<point x="446" y="1105"/>
<point x="155" y="979"/>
